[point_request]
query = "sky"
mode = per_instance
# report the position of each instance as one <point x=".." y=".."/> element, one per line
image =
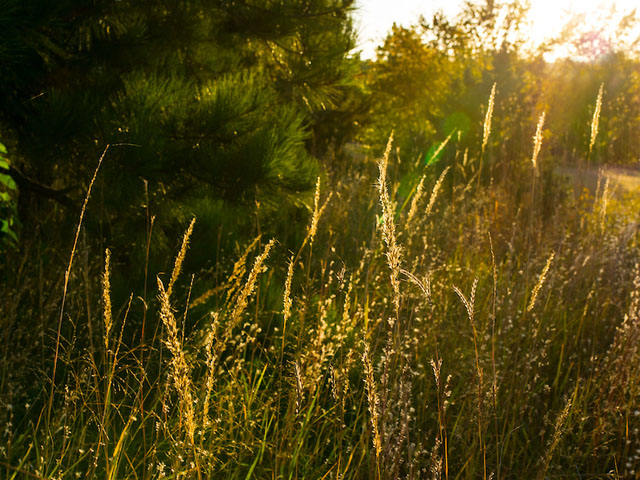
<point x="374" y="18"/>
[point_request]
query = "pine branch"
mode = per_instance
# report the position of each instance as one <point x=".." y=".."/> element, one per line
<point x="26" y="183"/>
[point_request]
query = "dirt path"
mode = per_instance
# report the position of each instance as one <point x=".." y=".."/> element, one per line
<point x="621" y="179"/>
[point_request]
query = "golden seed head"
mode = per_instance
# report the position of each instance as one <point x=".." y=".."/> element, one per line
<point x="537" y="141"/>
<point x="536" y="289"/>
<point x="106" y="297"/>
<point x="487" y="118"/>
<point x="596" y="118"/>
<point x="436" y="189"/>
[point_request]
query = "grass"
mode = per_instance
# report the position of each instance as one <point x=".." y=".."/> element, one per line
<point x="475" y="334"/>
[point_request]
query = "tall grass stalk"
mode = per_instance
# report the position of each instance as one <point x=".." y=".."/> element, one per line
<point x="393" y="250"/>
<point x="595" y="120"/>
<point x="537" y="146"/>
<point x="469" y="304"/>
<point x="109" y="361"/>
<point x="180" y="369"/>
<point x="373" y="402"/>
<point x="286" y="302"/>
<point x="211" y="359"/>
<point x="417" y="196"/>
<point x="537" y="142"/>
<point x="106" y="299"/>
<point x="417" y="192"/>
<point x="67" y="274"/>
<point x="247" y="290"/>
<point x="558" y="430"/>
<point x="486" y="130"/>
<point x="435" y="191"/>
<point x="150" y="221"/>
<point x="604" y="202"/>
<point x="486" y="126"/>
<point x="541" y="279"/>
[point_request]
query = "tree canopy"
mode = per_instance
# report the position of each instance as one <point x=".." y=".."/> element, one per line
<point x="215" y="100"/>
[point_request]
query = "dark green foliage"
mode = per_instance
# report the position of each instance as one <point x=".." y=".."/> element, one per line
<point x="200" y="99"/>
<point x="8" y="213"/>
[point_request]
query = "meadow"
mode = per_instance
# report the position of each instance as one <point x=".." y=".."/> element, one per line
<point x="427" y="325"/>
<point x="232" y="248"/>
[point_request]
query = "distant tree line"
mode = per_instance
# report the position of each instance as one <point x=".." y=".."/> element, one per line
<point x="435" y="78"/>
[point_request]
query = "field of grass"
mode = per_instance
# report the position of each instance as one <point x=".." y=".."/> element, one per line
<point x="427" y="326"/>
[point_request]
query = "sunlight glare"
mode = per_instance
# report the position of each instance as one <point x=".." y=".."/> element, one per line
<point x="594" y="22"/>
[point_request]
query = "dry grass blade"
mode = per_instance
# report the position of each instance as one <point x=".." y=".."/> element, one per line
<point x="66" y="279"/>
<point x="419" y="190"/>
<point x="177" y="267"/>
<point x="441" y="146"/>
<point x="413" y="209"/>
<point x="596" y="119"/>
<point x="425" y="285"/>
<point x="536" y="289"/>
<point x="487" y="118"/>
<point x="558" y="430"/>
<point x="468" y="302"/>
<point x="234" y="282"/>
<point x="106" y="299"/>
<point x="286" y="300"/>
<point x="373" y="400"/>
<point x="394" y="252"/>
<point x="604" y="203"/>
<point x="313" y="228"/>
<point x="537" y="141"/>
<point x="315" y="218"/>
<point x="180" y="370"/>
<point x="436" y="190"/>
<point x="211" y="358"/>
<point x="249" y="287"/>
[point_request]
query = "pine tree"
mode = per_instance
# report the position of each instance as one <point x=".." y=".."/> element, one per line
<point x="211" y="103"/>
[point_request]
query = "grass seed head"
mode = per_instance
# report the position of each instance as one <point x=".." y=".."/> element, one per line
<point x="537" y="141"/>
<point x="436" y="190"/>
<point x="372" y="399"/>
<point x="394" y="251"/>
<point x="106" y="298"/>
<point x="536" y="289"/>
<point x="596" y="118"/>
<point x="487" y="118"/>
<point x="177" y="267"/>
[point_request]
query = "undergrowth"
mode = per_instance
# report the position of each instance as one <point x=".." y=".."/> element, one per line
<point x="477" y="331"/>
